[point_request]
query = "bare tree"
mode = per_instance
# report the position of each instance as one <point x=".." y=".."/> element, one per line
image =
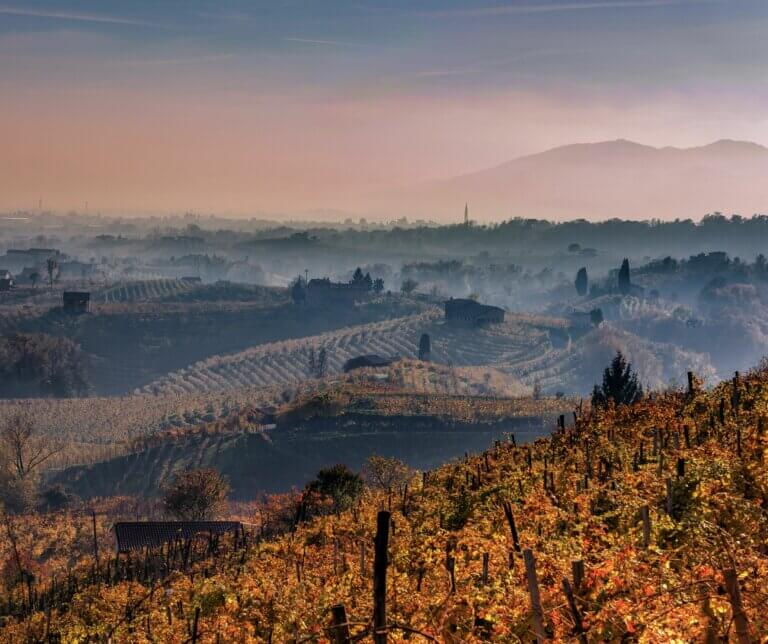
<point x="52" y="267"/>
<point x="386" y="473"/>
<point x="24" y="447"/>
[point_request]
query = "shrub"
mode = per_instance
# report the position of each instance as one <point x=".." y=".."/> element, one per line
<point x="196" y="495"/>
<point x="339" y="484"/>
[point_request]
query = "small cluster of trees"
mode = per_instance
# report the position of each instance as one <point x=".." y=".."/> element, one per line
<point x="365" y="282"/>
<point x="41" y="365"/>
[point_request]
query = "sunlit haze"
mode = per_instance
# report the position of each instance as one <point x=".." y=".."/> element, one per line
<point x="277" y="108"/>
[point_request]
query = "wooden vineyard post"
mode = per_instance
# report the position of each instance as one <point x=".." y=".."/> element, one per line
<point x="575" y="613"/>
<point x="512" y="526"/>
<point x="670" y="498"/>
<point x="450" y="565"/>
<point x="485" y="568"/>
<point x="646" y="519"/>
<point x="380" y="578"/>
<point x="691" y="384"/>
<point x="533" y="591"/>
<point x="739" y="617"/>
<point x="194" y="625"/>
<point x="340" y="630"/>
<point x="362" y="559"/>
<point x="95" y="541"/>
<point x="577" y="571"/>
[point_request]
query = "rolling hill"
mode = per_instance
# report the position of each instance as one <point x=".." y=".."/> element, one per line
<point x="531" y="349"/>
<point x="604" y="180"/>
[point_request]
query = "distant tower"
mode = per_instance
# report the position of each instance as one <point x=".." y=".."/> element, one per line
<point x="466" y="214"/>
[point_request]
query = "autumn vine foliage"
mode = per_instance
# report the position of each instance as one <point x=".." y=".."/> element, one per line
<point x="633" y="523"/>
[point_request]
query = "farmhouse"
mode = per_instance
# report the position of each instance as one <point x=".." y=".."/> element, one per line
<point x="585" y="320"/>
<point x="137" y="535"/>
<point x="466" y="311"/>
<point x="76" y="301"/>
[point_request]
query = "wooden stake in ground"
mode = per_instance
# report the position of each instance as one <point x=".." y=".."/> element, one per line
<point x="646" y="519"/>
<point x="340" y="629"/>
<point x="578" y="626"/>
<point x="380" y="578"/>
<point x="577" y="570"/>
<point x="512" y="526"/>
<point x="533" y="591"/>
<point x="739" y="616"/>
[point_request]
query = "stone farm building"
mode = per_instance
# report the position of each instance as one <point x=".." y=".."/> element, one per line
<point x="466" y="311"/>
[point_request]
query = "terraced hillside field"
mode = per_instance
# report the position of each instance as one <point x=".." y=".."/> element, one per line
<point x="529" y="348"/>
<point x="144" y="290"/>
<point x="517" y="340"/>
<point x="179" y="291"/>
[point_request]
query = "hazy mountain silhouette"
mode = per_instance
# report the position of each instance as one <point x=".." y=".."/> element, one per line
<point x="602" y="180"/>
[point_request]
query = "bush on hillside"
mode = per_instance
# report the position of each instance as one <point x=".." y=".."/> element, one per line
<point x="37" y="364"/>
<point x="196" y="495"/>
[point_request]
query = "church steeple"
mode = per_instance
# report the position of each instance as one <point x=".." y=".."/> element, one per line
<point x="466" y="214"/>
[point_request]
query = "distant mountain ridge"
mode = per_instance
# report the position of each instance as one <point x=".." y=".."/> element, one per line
<point x="607" y="179"/>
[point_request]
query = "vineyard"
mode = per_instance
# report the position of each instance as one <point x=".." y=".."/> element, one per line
<point x="143" y="290"/>
<point x="90" y="430"/>
<point x="642" y="523"/>
<point x="522" y="347"/>
<point x="180" y="290"/>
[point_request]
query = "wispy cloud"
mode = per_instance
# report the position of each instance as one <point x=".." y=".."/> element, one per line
<point x="487" y="66"/>
<point x="502" y="10"/>
<point x="73" y="16"/>
<point x="191" y="60"/>
<point x="313" y="41"/>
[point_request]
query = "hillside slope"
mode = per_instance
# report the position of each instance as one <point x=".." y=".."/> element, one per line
<point x="531" y="349"/>
<point x="654" y="515"/>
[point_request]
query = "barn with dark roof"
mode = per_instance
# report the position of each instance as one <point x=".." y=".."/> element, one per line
<point x="137" y="535"/>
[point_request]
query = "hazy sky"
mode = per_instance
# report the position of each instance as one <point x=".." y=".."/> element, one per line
<point x="247" y="107"/>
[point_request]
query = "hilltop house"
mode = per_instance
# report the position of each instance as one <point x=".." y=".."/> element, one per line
<point x="76" y="301"/>
<point x="466" y="311"/>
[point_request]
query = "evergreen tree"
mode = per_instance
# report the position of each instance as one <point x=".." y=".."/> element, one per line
<point x="582" y="281"/>
<point x="620" y="384"/>
<point x="298" y="291"/>
<point x="378" y="285"/>
<point x="357" y="277"/>
<point x="624" y="283"/>
<point x="424" y="347"/>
